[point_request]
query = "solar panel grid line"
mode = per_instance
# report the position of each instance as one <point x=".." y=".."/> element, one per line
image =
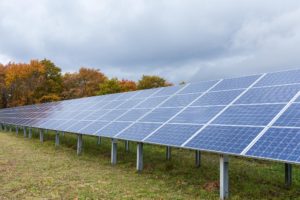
<point x="237" y="125"/>
<point x="277" y="85"/>
<point x="202" y="94"/>
<point x="223" y="110"/>
<point x="152" y="109"/>
<point x="125" y="112"/>
<point x="270" y="124"/>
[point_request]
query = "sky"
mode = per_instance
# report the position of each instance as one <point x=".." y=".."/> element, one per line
<point x="187" y="40"/>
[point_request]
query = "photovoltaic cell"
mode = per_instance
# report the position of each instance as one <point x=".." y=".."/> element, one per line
<point x="291" y="117"/>
<point x="130" y="103"/>
<point x="217" y="98"/>
<point x="280" y="78"/>
<point x="236" y="83"/>
<point x="113" y="104"/>
<point x="198" y="87"/>
<point x="138" y="131"/>
<point x="278" y="144"/>
<point x="276" y="94"/>
<point x="113" y="114"/>
<point x="173" y="134"/>
<point x="160" y="115"/>
<point x="166" y="91"/>
<point x="228" y="139"/>
<point x="113" y="129"/>
<point x="93" y="127"/>
<point x="180" y="100"/>
<point x="151" y="102"/>
<point x="78" y="126"/>
<point x="94" y="115"/>
<point x="145" y="93"/>
<point x="133" y="115"/>
<point x="259" y="115"/>
<point x="198" y="115"/>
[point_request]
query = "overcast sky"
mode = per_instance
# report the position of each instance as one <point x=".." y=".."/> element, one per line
<point x="187" y="40"/>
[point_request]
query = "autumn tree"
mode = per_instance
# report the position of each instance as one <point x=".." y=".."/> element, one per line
<point x="147" y="82"/>
<point x="82" y="84"/>
<point x="3" y="91"/>
<point x="127" y="85"/>
<point x="51" y="87"/>
<point x="110" y="86"/>
<point x="22" y="81"/>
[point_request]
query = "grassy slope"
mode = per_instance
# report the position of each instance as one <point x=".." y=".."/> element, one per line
<point x="29" y="169"/>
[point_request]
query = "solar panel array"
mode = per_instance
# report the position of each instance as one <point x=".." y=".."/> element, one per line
<point x="253" y="116"/>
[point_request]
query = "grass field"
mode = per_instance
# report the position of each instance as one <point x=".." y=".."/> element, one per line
<point x="31" y="170"/>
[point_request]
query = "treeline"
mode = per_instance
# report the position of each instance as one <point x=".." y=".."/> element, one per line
<point x="42" y="81"/>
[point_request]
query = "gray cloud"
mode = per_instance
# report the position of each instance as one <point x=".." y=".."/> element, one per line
<point x="180" y="40"/>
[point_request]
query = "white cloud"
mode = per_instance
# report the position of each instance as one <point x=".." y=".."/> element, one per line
<point x="180" y="40"/>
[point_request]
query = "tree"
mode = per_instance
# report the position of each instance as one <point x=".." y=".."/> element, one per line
<point x="3" y="91"/>
<point x="147" y="82"/>
<point x="110" y="86"/>
<point x="82" y="84"/>
<point x="127" y="85"/>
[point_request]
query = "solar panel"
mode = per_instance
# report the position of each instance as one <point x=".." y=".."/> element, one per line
<point x="217" y="98"/>
<point x="236" y="83"/>
<point x="233" y="116"/>
<point x="275" y="94"/>
<point x="173" y="134"/>
<point x="259" y="115"/>
<point x="138" y="131"/>
<point x="291" y="117"/>
<point x="278" y="144"/>
<point x="226" y="139"/>
<point x="180" y="100"/>
<point x="112" y="129"/>
<point x="160" y="115"/>
<point x="198" y="87"/>
<point x="198" y="115"/>
<point x="280" y="78"/>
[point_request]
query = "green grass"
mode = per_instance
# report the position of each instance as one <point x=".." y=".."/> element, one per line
<point x="31" y="170"/>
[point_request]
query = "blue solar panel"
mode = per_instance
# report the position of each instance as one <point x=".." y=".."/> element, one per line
<point x="112" y="115"/>
<point x="249" y="115"/>
<point x="173" y="134"/>
<point x="166" y="91"/>
<point x="279" y="144"/>
<point x="77" y="126"/>
<point x="199" y="115"/>
<point x="113" y="104"/>
<point x="236" y="83"/>
<point x="138" y="131"/>
<point x="130" y="103"/>
<point x="133" y="115"/>
<point x="160" y="115"/>
<point x="113" y="129"/>
<point x="198" y="87"/>
<point x="291" y="117"/>
<point x="151" y="102"/>
<point x="218" y="98"/>
<point x="180" y="100"/>
<point x="228" y="139"/>
<point x="81" y="115"/>
<point x="95" y="115"/>
<point x="145" y="93"/>
<point x="65" y="124"/>
<point x="276" y="94"/>
<point x="280" y="78"/>
<point x="93" y="127"/>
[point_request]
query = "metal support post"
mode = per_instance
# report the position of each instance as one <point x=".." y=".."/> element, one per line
<point x="24" y="131"/>
<point x="99" y="140"/>
<point x="139" y="157"/>
<point x="224" y="181"/>
<point x="79" y="144"/>
<point x="41" y="135"/>
<point x="288" y="174"/>
<point x="56" y="138"/>
<point x="29" y="133"/>
<point x="198" y="158"/>
<point x="114" y="146"/>
<point x="168" y="153"/>
<point x="126" y="145"/>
